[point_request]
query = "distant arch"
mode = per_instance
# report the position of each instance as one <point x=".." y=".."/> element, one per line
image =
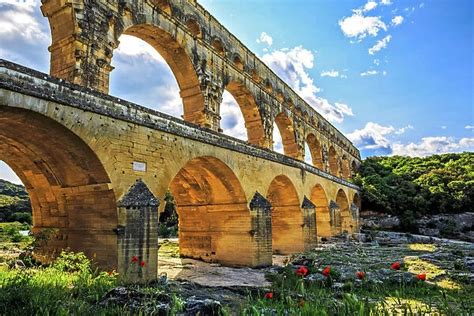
<point x="323" y="222"/>
<point x="194" y="27"/>
<point x="354" y="168"/>
<point x="250" y="112"/>
<point x="333" y="162"/>
<point x="218" y="46"/>
<point x="316" y="151"/>
<point x="287" y="218"/>
<point x="162" y="5"/>
<point x="214" y="220"/>
<point x="288" y="135"/>
<point x="346" y="168"/>
<point x="346" y="221"/>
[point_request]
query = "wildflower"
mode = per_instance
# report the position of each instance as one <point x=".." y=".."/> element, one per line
<point x="327" y="271"/>
<point x="142" y="264"/>
<point x="360" y="275"/>
<point x="134" y="259"/>
<point x="269" y="295"/>
<point x="302" y="271"/>
<point x="396" y="265"/>
<point x="110" y="273"/>
<point x="421" y="276"/>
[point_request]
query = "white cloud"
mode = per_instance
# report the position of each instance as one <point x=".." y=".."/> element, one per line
<point x="381" y="44"/>
<point x="291" y="65"/>
<point x="370" y="5"/>
<point x="332" y="74"/>
<point x="397" y="20"/>
<point x="433" y="145"/>
<point x="422" y="5"/>
<point x="265" y="38"/>
<point x="232" y="120"/>
<point x="369" y="73"/>
<point x="359" y="26"/>
<point x="17" y="18"/>
<point x="372" y="136"/>
<point x="469" y="127"/>
<point x="377" y="62"/>
<point x="277" y="141"/>
<point x="403" y="129"/>
<point x="444" y="127"/>
<point x="385" y="2"/>
<point x="6" y="173"/>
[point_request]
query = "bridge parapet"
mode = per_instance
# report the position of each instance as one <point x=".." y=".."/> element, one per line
<point x="206" y="59"/>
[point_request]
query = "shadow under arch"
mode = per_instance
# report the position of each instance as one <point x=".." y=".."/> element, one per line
<point x="287" y="217"/>
<point x="315" y="151"/>
<point x="214" y="220"/>
<point x="288" y="136"/>
<point x="250" y="112"/>
<point x="180" y="64"/>
<point x="323" y="220"/>
<point x="345" y="215"/>
<point x="68" y="186"/>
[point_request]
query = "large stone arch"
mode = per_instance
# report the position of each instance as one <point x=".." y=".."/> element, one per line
<point x="346" y="218"/>
<point x="69" y="188"/>
<point x="214" y="220"/>
<point x="250" y="112"/>
<point x="287" y="218"/>
<point x="333" y="161"/>
<point x="180" y="64"/>
<point x="315" y="150"/>
<point x="323" y="221"/>
<point x="288" y="135"/>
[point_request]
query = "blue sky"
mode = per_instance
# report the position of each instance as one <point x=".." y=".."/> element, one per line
<point x="396" y="76"/>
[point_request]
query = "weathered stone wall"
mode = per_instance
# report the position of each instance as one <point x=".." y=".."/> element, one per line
<point x="212" y="176"/>
<point x="206" y="59"/>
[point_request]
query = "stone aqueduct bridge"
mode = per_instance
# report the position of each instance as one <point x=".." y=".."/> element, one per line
<point x="80" y="151"/>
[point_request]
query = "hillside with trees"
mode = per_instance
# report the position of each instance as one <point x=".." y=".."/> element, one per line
<point x="410" y="187"/>
<point x="14" y="203"/>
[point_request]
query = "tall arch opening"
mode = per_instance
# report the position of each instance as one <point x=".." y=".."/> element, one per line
<point x="333" y="162"/>
<point x="214" y="220"/>
<point x="249" y="110"/>
<point x="69" y="189"/>
<point x="175" y="60"/>
<point x="346" y="223"/>
<point x="323" y="220"/>
<point x="287" y="217"/>
<point x="288" y="136"/>
<point x="315" y="151"/>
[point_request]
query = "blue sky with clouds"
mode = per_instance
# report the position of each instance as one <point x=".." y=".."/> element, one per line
<point x="396" y="76"/>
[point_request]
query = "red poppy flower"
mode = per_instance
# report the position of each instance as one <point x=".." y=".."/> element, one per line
<point x="421" y="276"/>
<point x="110" y="273"/>
<point x="269" y="295"/>
<point x="142" y="264"/>
<point x="396" y="265"/>
<point x="134" y="259"/>
<point x="302" y="271"/>
<point x="327" y="271"/>
<point x="360" y="275"/>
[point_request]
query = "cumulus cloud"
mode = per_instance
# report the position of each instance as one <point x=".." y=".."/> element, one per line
<point x="403" y="129"/>
<point x="291" y="65"/>
<point x="469" y="127"/>
<point x="232" y="120"/>
<point x="370" y="5"/>
<point x="265" y="38"/>
<point x="380" y="45"/>
<point x="359" y="26"/>
<point x="372" y="136"/>
<point x="433" y="145"/>
<point x="397" y="20"/>
<point x="24" y="34"/>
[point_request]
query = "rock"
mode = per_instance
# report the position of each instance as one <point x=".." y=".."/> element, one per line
<point x="206" y="307"/>
<point x="316" y="278"/>
<point x="137" y="301"/>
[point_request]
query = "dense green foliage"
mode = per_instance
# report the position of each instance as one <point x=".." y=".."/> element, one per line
<point x="168" y="226"/>
<point x="14" y="203"/>
<point x="411" y="187"/>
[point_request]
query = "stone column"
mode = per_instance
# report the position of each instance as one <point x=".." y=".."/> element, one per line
<point x="138" y="234"/>
<point x="355" y="216"/>
<point x="260" y="212"/>
<point x="335" y="215"/>
<point x="309" y="224"/>
<point x="212" y="90"/>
